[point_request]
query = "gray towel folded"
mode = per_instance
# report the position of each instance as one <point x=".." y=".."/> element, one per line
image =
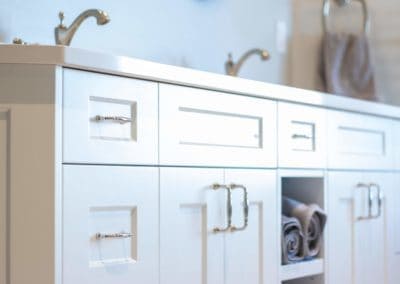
<point x="292" y="241"/>
<point x="312" y="219"/>
<point x="346" y="67"/>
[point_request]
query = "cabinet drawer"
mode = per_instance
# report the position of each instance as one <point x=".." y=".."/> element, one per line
<point x="359" y="141"/>
<point x="109" y="119"/>
<point x="110" y="225"/>
<point x="199" y="127"/>
<point x="301" y="136"/>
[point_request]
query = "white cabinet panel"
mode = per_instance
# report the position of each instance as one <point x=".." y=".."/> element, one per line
<point x="4" y="137"/>
<point x="359" y="141"/>
<point x="109" y="119"/>
<point x="356" y="247"/>
<point x="199" y="127"/>
<point x="191" y="251"/>
<point x="190" y="209"/>
<point x="301" y="136"/>
<point x="393" y="233"/>
<point x="102" y="206"/>
<point x="251" y="255"/>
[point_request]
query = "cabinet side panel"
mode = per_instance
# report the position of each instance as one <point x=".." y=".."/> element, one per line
<point x="4" y="136"/>
<point x="29" y="91"/>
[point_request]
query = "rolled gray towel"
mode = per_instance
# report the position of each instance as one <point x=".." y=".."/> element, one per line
<point x="292" y="240"/>
<point x="312" y="219"/>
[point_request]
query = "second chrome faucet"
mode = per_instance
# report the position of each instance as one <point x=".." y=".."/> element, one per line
<point x="233" y="68"/>
<point x="64" y="35"/>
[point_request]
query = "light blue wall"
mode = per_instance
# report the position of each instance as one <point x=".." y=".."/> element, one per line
<point x="192" y="33"/>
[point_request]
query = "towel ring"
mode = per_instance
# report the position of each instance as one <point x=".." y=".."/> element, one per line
<point x="326" y="11"/>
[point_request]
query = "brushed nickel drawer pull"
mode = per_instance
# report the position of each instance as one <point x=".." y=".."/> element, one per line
<point x="301" y="136"/>
<point x="100" y="236"/>
<point x="119" y="119"/>
<point x="217" y="186"/>
<point x="245" y="207"/>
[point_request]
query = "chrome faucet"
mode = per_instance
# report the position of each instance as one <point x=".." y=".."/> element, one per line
<point x="65" y="34"/>
<point x="233" y="68"/>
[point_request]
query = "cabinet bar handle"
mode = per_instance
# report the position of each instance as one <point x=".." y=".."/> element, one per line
<point x="245" y="207"/>
<point x="301" y="136"/>
<point x="101" y="236"/>
<point x="367" y="187"/>
<point x="118" y="119"/>
<point x="217" y="186"/>
<point x="380" y="200"/>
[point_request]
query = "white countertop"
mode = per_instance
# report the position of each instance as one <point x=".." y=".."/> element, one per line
<point x="136" y="68"/>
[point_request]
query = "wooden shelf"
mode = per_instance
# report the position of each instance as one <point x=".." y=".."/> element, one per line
<point x="302" y="269"/>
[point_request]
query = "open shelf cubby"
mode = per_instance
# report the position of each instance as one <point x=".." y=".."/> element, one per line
<point x="309" y="188"/>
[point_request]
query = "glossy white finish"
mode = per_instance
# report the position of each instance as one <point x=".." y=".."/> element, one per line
<point x="191" y="209"/>
<point x="4" y="165"/>
<point x="356" y="247"/>
<point x="130" y="67"/>
<point x="199" y="127"/>
<point x="100" y="199"/>
<point x="302" y="136"/>
<point x="88" y="141"/>
<point x="359" y="141"/>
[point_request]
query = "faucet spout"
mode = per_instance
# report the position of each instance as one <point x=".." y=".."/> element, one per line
<point x="233" y="68"/>
<point x="64" y="35"/>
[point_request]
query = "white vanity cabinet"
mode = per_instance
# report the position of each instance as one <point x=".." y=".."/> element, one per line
<point x="196" y="248"/>
<point x="358" y="215"/>
<point x="110" y="224"/>
<point x="116" y="170"/>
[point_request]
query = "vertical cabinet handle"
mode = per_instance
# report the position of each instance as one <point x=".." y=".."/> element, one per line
<point x="379" y="200"/>
<point x="217" y="186"/>
<point x="245" y="207"/>
<point x="365" y="186"/>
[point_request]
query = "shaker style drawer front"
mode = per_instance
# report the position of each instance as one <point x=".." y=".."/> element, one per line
<point x="109" y="119"/>
<point x="301" y="136"/>
<point x="359" y="141"/>
<point x="110" y="225"/>
<point x="199" y="127"/>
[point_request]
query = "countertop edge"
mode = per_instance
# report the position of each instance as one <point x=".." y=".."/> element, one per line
<point x="136" y="68"/>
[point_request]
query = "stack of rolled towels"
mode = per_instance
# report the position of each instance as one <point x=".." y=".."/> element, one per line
<point x="302" y="229"/>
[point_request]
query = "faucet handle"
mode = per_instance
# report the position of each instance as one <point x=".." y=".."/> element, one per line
<point x="61" y="16"/>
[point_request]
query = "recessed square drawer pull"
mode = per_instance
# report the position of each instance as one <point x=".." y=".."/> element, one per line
<point x="119" y="119"/>
<point x="100" y="236"/>
<point x="301" y="136"/>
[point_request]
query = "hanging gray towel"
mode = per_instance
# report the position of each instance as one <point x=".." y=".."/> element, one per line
<point x="346" y="67"/>
<point x="292" y="241"/>
<point x="312" y="219"/>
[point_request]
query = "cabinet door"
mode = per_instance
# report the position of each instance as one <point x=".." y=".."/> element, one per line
<point x="393" y="233"/>
<point x="102" y="206"/>
<point x="190" y="251"/>
<point x="356" y="247"/>
<point x="3" y="194"/>
<point x="251" y="255"/>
